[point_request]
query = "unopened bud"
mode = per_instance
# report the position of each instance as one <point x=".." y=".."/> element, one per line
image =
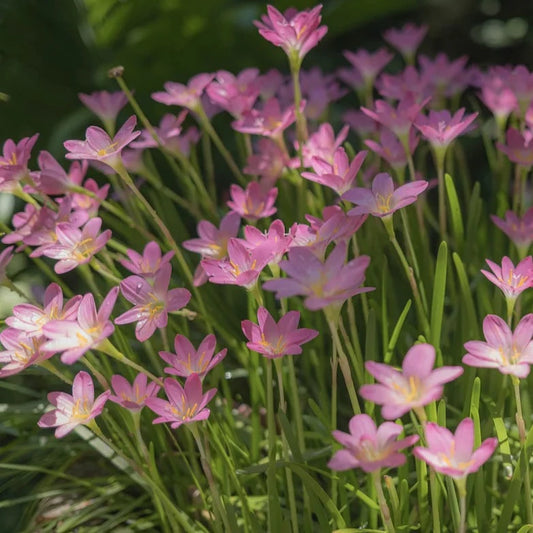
<point x="116" y="72"/>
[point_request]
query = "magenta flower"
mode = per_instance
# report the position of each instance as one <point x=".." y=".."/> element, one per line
<point x="21" y="351"/>
<point x="296" y="32"/>
<point x="510" y="279"/>
<point x="99" y="146"/>
<point x="440" y="128"/>
<point x="76" y="247"/>
<point x="188" y="96"/>
<point x="340" y="175"/>
<point x="323" y="283"/>
<point x="31" y="319"/>
<point x="276" y="339"/>
<point x="270" y="121"/>
<point x="186" y="404"/>
<point x="519" y="230"/>
<point x="453" y="454"/>
<point x="242" y="266"/>
<point x="369" y="64"/>
<point x="414" y="387"/>
<point x="254" y="202"/>
<point x="519" y="148"/>
<point x="134" y="396"/>
<point x="509" y="352"/>
<point x="105" y="105"/>
<point x="407" y="39"/>
<point x="149" y="263"/>
<point x="71" y="411"/>
<point x="187" y="360"/>
<point x="14" y="162"/>
<point x="383" y="200"/>
<point x="152" y="303"/>
<point x="91" y="329"/>
<point x="368" y="447"/>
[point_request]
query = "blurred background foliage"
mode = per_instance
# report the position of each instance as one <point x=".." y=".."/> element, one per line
<point x="50" y="50"/>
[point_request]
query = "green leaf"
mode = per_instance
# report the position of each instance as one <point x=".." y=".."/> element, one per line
<point x="455" y="211"/>
<point x="439" y="289"/>
<point x="396" y="332"/>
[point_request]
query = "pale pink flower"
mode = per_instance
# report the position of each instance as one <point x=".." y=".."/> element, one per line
<point x="406" y="39"/>
<point x="369" y="64"/>
<point x="76" y="247"/>
<point x="152" y="303"/>
<point x="87" y="332"/>
<point x="269" y="83"/>
<point x="273" y="243"/>
<point x="296" y="32"/>
<point x="186" y="404"/>
<point x="391" y="149"/>
<point x="188" y="96"/>
<point x="188" y="360"/>
<point x="519" y="148"/>
<point x="318" y="90"/>
<point x="497" y="95"/>
<point x="415" y="386"/>
<point x="276" y="339"/>
<point x="383" y="200"/>
<point x="149" y="263"/>
<point x="53" y="179"/>
<point x="509" y="352"/>
<point x="407" y="84"/>
<point x="445" y="76"/>
<point x="71" y="411"/>
<point x="323" y="143"/>
<point x="99" y="145"/>
<point x="368" y="447"/>
<point x="168" y="132"/>
<point x="360" y="123"/>
<point x="454" y="454"/>
<point x="269" y="161"/>
<point x="351" y="77"/>
<point x="14" y="162"/>
<point x="254" y="202"/>
<point x="134" y="396"/>
<point x="518" y="229"/>
<point x="105" y="105"/>
<point x="509" y="279"/>
<point x="21" y="351"/>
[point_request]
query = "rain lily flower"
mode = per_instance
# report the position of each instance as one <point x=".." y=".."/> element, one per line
<point x="340" y="175"/>
<point x="407" y="39"/>
<point x="187" y="360"/>
<point x="52" y="178"/>
<point x="360" y="123"/>
<point x="453" y="454"/>
<point x="383" y="200"/>
<point x="276" y="339"/>
<point x="188" y="96"/>
<point x="445" y="76"/>
<point x="323" y="283"/>
<point x="510" y="279"/>
<point x="408" y="84"/>
<point x="391" y="149"/>
<point x="21" y="351"/>
<point x="270" y="121"/>
<point x="519" y="148"/>
<point x="509" y="352"/>
<point x="5" y="258"/>
<point x="296" y="32"/>
<point x="105" y="105"/>
<point x="152" y="303"/>
<point x="273" y="243"/>
<point x="318" y="90"/>
<point x="168" y="133"/>
<point x="369" y="64"/>
<point x="14" y="162"/>
<point x="369" y="447"/>
<point x="71" y="411"/>
<point x="99" y="146"/>
<point x="30" y="319"/>
<point x="498" y="96"/>
<point x="76" y="247"/>
<point x="149" y="263"/>
<point x="254" y="202"/>
<point x="416" y="385"/>
<point x="186" y="404"/>
<point x="23" y="222"/>
<point x="134" y="396"/>
<point x="519" y="230"/>
<point x="90" y="329"/>
<point x="323" y="144"/>
<point x="520" y="80"/>
<point x="268" y="161"/>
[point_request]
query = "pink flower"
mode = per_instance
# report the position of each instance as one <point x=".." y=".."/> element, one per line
<point x="152" y="303"/>
<point x="5" y="258"/>
<point x="276" y="339"/>
<point x="519" y="148"/>
<point x="21" y="351"/>
<point x="323" y="144"/>
<point x="440" y="128"/>
<point x="323" y="283"/>
<point x="391" y="149"/>
<point x="340" y="175"/>
<point x="188" y="96"/>
<point x="498" y="96"/>
<point x="100" y="147"/>
<point x="105" y="105"/>
<point x="270" y="121"/>
<point x="268" y="162"/>
<point x="369" y="64"/>
<point x="509" y="352"/>
<point x="23" y="222"/>
<point x="242" y="267"/>
<point x="14" y="162"/>
<point x="273" y="243"/>
<point x="407" y="39"/>
<point x="76" y="247"/>
<point x="187" y="360"/>
<point x="445" y="76"/>
<point x="168" y="132"/>
<point x="133" y="397"/>
<point x="186" y="404"/>
<point x="71" y="411"/>
<point x="383" y="200"/>
<point x="452" y="454"/>
<point x="368" y="447"/>
<point x="408" y="84"/>
<point x="414" y="387"/>
<point x="53" y="180"/>
<point x="149" y="263"/>
<point x="253" y="203"/>
<point x="91" y="328"/>
<point x="31" y="319"/>
<point x="519" y="230"/>
<point x="510" y="279"/>
<point x="296" y="32"/>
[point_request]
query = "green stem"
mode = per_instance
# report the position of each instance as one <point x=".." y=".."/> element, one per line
<point x="439" y="163"/>
<point x="301" y="124"/>
<point x="461" y="488"/>
<point x="383" y="507"/>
